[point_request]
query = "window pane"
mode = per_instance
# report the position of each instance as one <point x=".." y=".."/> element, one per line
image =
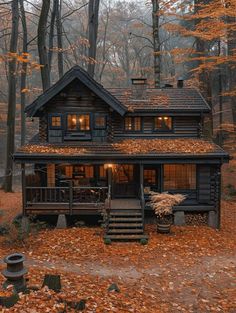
<point x="128" y="123"/>
<point x="89" y="171"/>
<point x="124" y="173"/>
<point x="179" y="176"/>
<point x="71" y="122"/>
<point x="100" y="121"/>
<point x="102" y="171"/>
<point x="149" y="176"/>
<point x="137" y="123"/>
<point x="163" y="123"/>
<point x="84" y="122"/>
<point x="56" y="121"/>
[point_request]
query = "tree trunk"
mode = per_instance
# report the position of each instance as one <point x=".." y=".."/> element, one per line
<point x="156" y="43"/>
<point x="42" y="48"/>
<point x="59" y="40"/>
<point x="231" y="43"/>
<point x="93" y="32"/>
<point x="204" y="76"/>
<point x="23" y="71"/>
<point x="11" y="97"/>
<point x="51" y="33"/>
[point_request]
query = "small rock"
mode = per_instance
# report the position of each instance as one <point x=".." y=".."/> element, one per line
<point x="114" y="287"/>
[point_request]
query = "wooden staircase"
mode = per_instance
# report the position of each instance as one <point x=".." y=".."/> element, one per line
<point x="126" y="222"/>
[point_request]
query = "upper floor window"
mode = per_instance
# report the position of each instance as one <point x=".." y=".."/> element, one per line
<point x="100" y="121"/>
<point x="78" y="122"/>
<point x="55" y="121"/>
<point x="133" y="123"/>
<point x="163" y="123"/>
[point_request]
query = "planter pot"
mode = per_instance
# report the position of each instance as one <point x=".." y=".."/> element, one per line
<point x="164" y="224"/>
<point x="163" y="228"/>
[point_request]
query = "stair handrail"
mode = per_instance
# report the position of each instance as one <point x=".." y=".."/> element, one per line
<point x="142" y="201"/>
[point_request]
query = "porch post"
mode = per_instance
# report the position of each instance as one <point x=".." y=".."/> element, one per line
<point x="141" y="174"/>
<point x="109" y="175"/>
<point x="23" y="186"/>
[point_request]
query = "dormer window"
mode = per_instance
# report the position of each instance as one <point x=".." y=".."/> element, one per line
<point x="163" y="123"/>
<point x="79" y="122"/>
<point x="133" y="123"/>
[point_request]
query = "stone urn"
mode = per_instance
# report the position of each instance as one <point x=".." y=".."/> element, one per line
<point x="15" y="271"/>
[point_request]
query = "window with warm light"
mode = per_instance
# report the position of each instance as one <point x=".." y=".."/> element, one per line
<point x="78" y="122"/>
<point x="133" y="123"/>
<point x="179" y="176"/>
<point x="163" y="123"/>
<point x="55" y="121"/>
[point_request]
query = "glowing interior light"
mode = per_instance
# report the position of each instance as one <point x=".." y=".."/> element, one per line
<point x="74" y="120"/>
<point x="80" y="120"/>
<point x="160" y="118"/>
<point x="165" y="118"/>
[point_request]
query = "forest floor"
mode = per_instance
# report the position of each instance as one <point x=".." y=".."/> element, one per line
<point x="191" y="270"/>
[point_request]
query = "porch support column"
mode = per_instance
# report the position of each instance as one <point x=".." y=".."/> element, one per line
<point x="23" y="186"/>
<point x="109" y="175"/>
<point x="141" y="174"/>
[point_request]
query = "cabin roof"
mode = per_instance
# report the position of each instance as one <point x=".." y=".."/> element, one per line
<point x="165" y="99"/>
<point x="128" y="148"/>
<point x="75" y="72"/>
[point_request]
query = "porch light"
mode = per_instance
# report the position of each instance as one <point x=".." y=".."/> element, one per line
<point x="106" y="166"/>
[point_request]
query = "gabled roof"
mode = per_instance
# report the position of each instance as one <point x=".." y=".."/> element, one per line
<point x="161" y="100"/>
<point x="76" y="72"/>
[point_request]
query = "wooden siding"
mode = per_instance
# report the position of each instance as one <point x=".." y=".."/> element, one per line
<point x="78" y="99"/>
<point x="182" y="127"/>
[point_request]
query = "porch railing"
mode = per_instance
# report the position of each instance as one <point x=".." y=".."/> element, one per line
<point x="70" y="196"/>
<point x="142" y="201"/>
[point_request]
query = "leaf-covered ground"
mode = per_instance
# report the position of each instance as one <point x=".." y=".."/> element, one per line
<point x="191" y="270"/>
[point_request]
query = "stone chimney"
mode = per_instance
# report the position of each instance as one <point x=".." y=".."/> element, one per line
<point x="139" y="88"/>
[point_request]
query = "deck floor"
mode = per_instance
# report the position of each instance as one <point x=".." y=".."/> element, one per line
<point x="125" y="204"/>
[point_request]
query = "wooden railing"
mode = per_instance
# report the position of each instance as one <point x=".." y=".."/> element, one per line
<point x="142" y="201"/>
<point x="65" y="195"/>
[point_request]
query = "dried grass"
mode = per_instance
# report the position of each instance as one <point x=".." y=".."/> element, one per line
<point x="162" y="203"/>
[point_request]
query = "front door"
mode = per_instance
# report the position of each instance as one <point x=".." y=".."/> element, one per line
<point x="125" y="181"/>
<point x="151" y="178"/>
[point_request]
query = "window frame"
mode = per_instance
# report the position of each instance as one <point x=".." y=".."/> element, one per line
<point x="96" y="115"/>
<point x="51" y="115"/>
<point x="180" y="189"/>
<point x="77" y="118"/>
<point x="155" y="130"/>
<point x="132" y="130"/>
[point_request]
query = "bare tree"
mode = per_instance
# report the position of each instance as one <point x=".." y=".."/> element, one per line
<point x="156" y="42"/>
<point x="11" y="97"/>
<point x="42" y="47"/>
<point x="92" y="35"/>
<point x="23" y="70"/>
<point x="59" y="40"/>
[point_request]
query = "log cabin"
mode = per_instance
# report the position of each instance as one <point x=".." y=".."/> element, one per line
<point x="105" y="149"/>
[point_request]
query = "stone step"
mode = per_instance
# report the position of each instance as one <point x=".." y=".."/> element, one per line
<point x="125" y="219"/>
<point x="125" y="225"/>
<point x="126" y="237"/>
<point x="125" y="231"/>
<point x="131" y="214"/>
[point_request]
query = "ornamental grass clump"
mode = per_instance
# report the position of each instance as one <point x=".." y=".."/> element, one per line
<point x="162" y="203"/>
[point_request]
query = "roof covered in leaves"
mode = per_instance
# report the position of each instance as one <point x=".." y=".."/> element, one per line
<point x="129" y="149"/>
<point x="165" y="99"/>
<point x="75" y="72"/>
<point x="123" y="100"/>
